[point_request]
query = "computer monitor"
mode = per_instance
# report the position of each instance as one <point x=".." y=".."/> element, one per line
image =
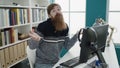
<point x="93" y="41"/>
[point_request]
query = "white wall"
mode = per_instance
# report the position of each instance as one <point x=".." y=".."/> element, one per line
<point x="74" y="16"/>
<point x="114" y="18"/>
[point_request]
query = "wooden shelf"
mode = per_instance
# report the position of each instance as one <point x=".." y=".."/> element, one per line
<point x="14" y="26"/>
<point x="11" y="6"/>
<point x="18" y="19"/>
<point x="14" y="43"/>
<point x="17" y="62"/>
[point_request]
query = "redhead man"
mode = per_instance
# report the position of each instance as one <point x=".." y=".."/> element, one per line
<point x="54" y="28"/>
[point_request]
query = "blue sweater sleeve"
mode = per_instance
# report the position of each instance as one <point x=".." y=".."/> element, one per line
<point x="70" y="42"/>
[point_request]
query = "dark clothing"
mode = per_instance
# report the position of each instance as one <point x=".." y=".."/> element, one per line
<point x="47" y="29"/>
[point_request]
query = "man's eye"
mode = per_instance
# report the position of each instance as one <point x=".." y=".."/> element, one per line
<point x="53" y="10"/>
<point x="59" y="10"/>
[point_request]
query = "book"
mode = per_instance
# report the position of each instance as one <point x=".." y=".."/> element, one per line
<point x="3" y="37"/>
<point x="7" y="59"/>
<point x="17" y="16"/>
<point x="1" y="18"/>
<point x="11" y="52"/>
<point x="2" y="59"/>
<point x="15" y="53"/>
<point x="0" y="39"/>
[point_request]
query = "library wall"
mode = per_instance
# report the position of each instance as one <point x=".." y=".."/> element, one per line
<point x="17" y="18"/>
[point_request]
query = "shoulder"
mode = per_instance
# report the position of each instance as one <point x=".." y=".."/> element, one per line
<point x="66" y="24"/>
<point x="44" y="23"/>
<point x="67" y="27"/>
<point x="41" y="26"/>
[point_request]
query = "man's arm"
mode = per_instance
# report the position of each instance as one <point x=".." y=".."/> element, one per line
<point x="70" y="42"/>
<point x="35" y="40"/>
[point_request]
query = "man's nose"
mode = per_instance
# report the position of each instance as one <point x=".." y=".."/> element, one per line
<point x="59" y="12"/>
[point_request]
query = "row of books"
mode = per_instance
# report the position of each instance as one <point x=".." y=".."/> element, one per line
<point x="11" y="35"/>
<point x="13" y="16"/>
<point x="12" y="54"/>
<point x="38" y="14"/>
<point x="8" y="35"/>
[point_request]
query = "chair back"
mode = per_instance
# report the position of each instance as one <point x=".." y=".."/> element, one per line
<point x="31" y="55"/>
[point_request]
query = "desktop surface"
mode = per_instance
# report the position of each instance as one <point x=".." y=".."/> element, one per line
<point x="109" y="55"/>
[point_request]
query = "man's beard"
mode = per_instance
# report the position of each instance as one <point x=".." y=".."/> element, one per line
<point x="58" y="22"/>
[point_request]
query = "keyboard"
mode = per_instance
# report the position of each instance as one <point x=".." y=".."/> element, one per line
<point x="71" y="63"/>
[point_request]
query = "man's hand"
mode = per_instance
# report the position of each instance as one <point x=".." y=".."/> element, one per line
<point x="34" y="36"/>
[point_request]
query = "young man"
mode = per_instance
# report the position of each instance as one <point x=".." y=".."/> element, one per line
<point x="54" y="28"/>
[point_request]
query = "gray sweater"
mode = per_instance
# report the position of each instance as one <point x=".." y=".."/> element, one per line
<point x="49" y="48"/>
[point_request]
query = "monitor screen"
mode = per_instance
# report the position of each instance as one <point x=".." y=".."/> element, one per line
<point x="93" y="41"/>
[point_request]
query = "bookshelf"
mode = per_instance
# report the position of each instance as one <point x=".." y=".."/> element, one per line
<point x="17" y="18"/>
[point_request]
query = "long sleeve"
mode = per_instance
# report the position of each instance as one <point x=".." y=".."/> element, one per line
<point x="70" y="42"/>
<point x="33" y="43"/>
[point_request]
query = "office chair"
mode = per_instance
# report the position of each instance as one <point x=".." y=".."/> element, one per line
<point x="31" y="55"/>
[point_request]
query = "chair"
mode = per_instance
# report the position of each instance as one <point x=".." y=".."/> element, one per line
<point x="31" y="55"/>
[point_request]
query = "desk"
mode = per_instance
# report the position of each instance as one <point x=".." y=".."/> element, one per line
<point x="109" y="56"/>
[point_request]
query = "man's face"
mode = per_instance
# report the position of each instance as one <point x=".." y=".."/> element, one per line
<point x="54" y="11"/>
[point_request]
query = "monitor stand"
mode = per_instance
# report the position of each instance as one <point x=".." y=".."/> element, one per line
<point x="103" y="64"/>
<point x="75" y="61"/>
